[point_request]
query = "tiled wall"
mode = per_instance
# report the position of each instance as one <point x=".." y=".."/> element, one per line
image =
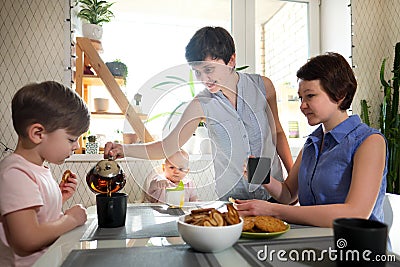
<point x="376" y="29"/>
<point x="34" y="46"/>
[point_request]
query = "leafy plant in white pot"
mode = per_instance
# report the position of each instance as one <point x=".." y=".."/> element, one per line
<point x="94" y="13"/>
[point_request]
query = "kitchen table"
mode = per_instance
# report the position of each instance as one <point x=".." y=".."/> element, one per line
<point x="81" y="240"/>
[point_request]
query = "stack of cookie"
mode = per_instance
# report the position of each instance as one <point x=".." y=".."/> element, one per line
<point x="263" y="224"/>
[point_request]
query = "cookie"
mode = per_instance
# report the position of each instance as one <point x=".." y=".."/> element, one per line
<point x="212" y="217"/>
<point x="66" y="175"/>
<point x="232" y="216"/>
<point x="269" y="224"/>
<point x="248" y="224"/>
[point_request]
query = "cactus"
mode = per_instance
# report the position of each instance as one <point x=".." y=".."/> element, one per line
<point x="365" y="112"/>
<point x="389" y="120"/>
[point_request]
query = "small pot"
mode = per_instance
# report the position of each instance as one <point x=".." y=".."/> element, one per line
<point x="92" y="31"/>
<point x="101" y="104"/>
<point x="117" y="68"/>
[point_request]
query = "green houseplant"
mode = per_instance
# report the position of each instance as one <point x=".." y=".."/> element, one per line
<point x="95" y="13"/>
<point x="175" y="81"/>
<point x="118" y="68"/>
<point x="389" y="120"/>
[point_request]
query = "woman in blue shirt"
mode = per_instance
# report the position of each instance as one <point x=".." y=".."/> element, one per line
<point x="341" y="170"/>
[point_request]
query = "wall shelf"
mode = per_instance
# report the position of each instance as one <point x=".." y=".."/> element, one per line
<point x="93" y="80"/>
<point x="86" y="54"/>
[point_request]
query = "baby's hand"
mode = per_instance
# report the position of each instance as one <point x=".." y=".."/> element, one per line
<point x="162" y="184"/>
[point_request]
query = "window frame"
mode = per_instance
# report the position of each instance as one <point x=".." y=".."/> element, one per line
<point x="243" y="30"/>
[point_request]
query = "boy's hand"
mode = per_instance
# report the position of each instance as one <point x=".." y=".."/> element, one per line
<point x="78" y="214"/>
<point x="68" y="185"/>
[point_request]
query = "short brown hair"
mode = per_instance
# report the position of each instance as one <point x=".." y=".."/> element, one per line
<point x="215" y="42"/>
<point x="335" y="75"/>
<point x="51" y="104"/>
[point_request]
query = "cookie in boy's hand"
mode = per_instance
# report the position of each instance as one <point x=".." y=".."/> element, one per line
<point x="66" y="175"/>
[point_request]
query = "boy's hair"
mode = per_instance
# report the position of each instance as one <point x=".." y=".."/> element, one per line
<point x="215" y="42"/>
<point x="335" y="75"/>
<point x="51" y="104"/>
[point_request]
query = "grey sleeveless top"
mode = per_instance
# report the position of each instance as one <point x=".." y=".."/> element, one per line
<point x="237" y="134"/>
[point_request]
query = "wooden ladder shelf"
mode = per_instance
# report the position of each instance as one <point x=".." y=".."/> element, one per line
<point x="85" y="52"/>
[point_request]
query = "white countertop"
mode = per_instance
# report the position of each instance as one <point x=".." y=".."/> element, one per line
<point x="58" y="252"/>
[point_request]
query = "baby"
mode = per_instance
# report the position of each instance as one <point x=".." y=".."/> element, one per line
<point x="175" y="169"/>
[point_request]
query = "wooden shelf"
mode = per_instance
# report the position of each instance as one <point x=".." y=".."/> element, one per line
<point x="103" y="115"/>
<point x="87" y="53"/>
<point x="97" y="45"/>
<point x="93" y="80"/>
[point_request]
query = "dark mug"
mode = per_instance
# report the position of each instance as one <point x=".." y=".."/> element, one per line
<point x="360" y="242"/>
<point x="111" y="210"/>
<point x="258" y="170"/>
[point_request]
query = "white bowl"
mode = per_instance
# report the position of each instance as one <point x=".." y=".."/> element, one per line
<point x="208" y="238"/>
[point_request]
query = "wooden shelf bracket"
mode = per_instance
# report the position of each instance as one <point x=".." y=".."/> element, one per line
<point x="85" y="50"/>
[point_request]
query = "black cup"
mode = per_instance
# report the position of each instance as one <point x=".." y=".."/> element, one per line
<point x="360" y="242"/>
<point x="258" y="170"/>
<point x="111" y="211"/>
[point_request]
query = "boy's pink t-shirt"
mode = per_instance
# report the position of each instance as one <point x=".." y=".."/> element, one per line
<point x="24" y="185"/>
<point x="158" y="194"/>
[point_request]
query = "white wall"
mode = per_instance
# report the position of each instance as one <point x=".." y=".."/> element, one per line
<point x="335" y="22"/>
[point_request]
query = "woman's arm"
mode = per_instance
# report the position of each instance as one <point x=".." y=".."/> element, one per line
<point x="282" y="144"/>
<point x="368" y="167"/>
<point x="184" y="129"/>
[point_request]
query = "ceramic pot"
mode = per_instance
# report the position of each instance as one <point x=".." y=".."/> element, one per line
<point x="92" y="31"/>
<point x="92" y="148"/>
<point x="101" y="104"/>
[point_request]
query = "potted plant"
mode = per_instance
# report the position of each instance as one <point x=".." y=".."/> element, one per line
<point x="389" y="120"/>
<point x="117" y="68"/>
<point x="95" y="13"/>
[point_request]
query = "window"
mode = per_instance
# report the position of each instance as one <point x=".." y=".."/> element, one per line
<point x="151" y="37"/>
<point x="283" y="45"/>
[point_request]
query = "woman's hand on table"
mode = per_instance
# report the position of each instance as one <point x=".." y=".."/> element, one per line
<point x="113" y="150"/>
<point x="254" y="207"/>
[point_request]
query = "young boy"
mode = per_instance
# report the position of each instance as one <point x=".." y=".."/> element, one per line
<point x="48" y="118"/>
<point x="175" y="170"/>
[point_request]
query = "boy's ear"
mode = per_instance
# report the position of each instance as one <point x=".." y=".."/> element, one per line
<point x="36" y="133"/>
<point x="232" y="60"/>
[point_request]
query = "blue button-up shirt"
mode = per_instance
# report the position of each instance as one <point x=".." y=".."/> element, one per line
<point x="326" y="169"/>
